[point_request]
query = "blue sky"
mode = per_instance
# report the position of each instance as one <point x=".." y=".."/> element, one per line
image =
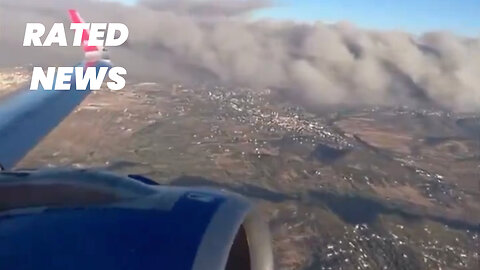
<point x="417" y="16"/>
<point x="461" y="16"/>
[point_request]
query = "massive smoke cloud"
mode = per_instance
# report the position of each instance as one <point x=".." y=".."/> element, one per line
<point x="198" y="41"/>
<point x="207" y="8"/>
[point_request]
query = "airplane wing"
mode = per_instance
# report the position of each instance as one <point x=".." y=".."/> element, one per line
<point x="28" y="116"/>
<point x="75" y="18"/>
<point x="79" y="219"/>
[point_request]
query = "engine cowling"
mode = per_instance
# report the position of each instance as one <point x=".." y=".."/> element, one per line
<point x="81" y="219"/>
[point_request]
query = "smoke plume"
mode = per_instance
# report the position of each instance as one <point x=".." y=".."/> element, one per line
<point x="196" y="41"/>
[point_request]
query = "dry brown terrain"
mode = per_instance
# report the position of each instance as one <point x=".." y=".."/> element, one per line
<point x="372" y="188"/>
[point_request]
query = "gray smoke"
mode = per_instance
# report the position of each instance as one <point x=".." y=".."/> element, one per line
<point x="196" y="41"/>
<point x="207" y="8"/>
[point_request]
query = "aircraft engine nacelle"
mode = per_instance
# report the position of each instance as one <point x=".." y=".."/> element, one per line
<point x="80" y="219"/>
